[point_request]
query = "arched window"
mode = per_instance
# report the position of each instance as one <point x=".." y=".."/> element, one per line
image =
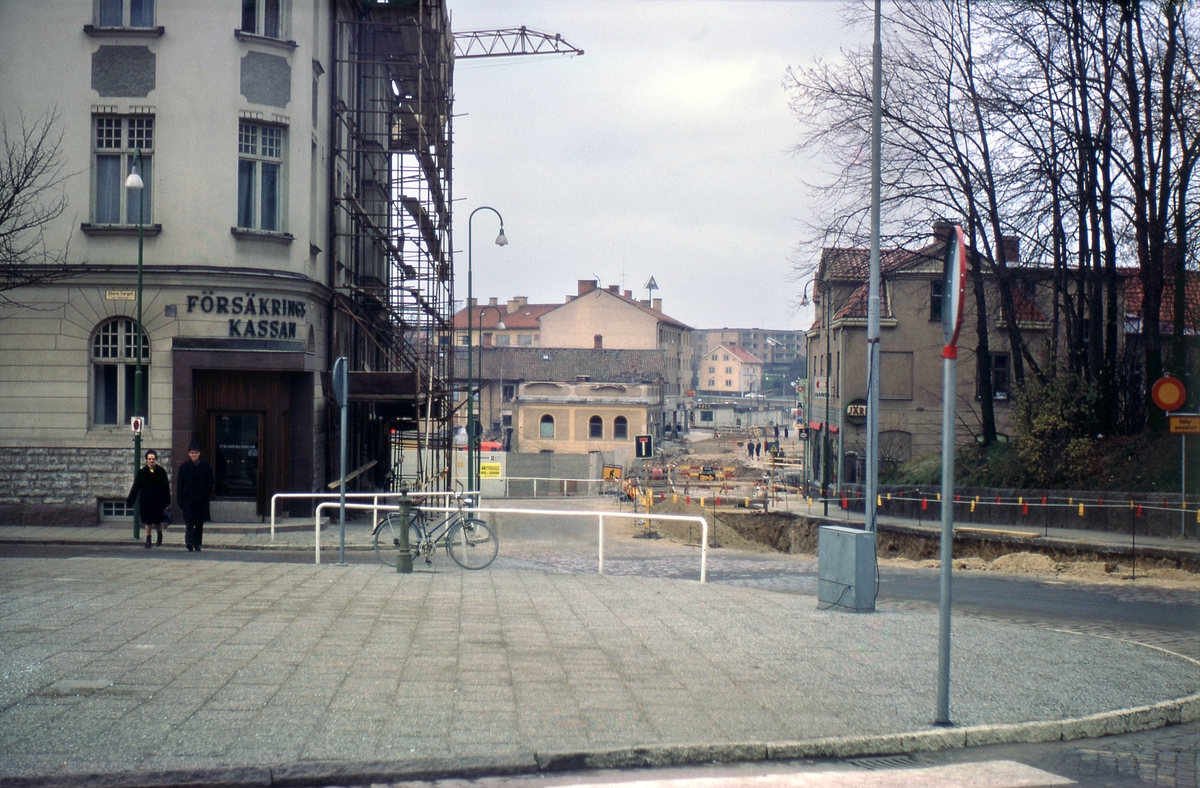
<point x="620" y="428"/>
<point x="547" y="426"/>
<point x="595" y="428"/>
<point x="114" y="366"/>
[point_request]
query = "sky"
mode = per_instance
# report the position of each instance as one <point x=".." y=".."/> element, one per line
<point x="663" y="151"/>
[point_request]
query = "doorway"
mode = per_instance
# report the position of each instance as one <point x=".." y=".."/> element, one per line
<point x="238" y="440"/>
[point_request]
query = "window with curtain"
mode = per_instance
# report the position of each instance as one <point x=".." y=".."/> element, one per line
<point x="260" y="173"/>
<point x="114" y="371"/>
<point x="115" y="145"/>
<point x="125" y="13"/>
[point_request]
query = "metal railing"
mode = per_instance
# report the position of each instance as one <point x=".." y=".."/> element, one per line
<point x="550" y="512"/>
<point x="375" y="496"/>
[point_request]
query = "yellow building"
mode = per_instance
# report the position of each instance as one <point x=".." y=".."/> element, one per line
<point x="730" y="370"/>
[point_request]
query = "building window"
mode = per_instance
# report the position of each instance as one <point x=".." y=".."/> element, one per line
<point x="999" y="373"/>
<point x="508" y="392"/>
<point x="464" y="339"/>
<point x="114" y="367"/>
<point x="116" y="142"/>
<point x="620" y="428"/>
<point x="525" y="340"/>
<point x="728" y="370"/>
<point x="502" y="340"/>
<point x="125" y="13"/>
<point x="712" y="370"/>
<point x="729" y="384"/>
<point x="506" y="420"/>
<point x="115" y="509"/>
<point x="547" y="426"/>
<point x="706" y="415"/>
<point x="263" y="18"/>
<point x="711" y="383"/>
<point x="595" y="428"/>
<point x="936" y="301"/>
<point x="260" y="175"/>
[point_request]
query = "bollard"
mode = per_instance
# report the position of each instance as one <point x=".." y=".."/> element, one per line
<point x="404" y="564"/>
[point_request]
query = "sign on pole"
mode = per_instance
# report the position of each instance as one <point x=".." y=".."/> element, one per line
<point x="644" y="447"/>
<point x="1185" y="425"/>
<point x="136" y="424"/>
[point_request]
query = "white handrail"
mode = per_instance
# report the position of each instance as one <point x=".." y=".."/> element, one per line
<point x="373" y="495"/>
<point x="492" y="510"/>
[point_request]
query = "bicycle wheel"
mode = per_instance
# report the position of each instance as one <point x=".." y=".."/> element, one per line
<point x="387" y="539"/>
<point x="472" y="544"/>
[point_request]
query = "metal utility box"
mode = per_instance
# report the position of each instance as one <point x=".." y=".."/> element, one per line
<point x="845" y="568"/>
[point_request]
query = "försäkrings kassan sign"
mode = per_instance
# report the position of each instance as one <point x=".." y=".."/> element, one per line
<point x="251" y="315"/>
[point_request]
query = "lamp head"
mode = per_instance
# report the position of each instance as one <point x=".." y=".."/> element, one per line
<point x="501" y="240"/>
<point x="500" y="324"/>
<point x="134" y="181"/>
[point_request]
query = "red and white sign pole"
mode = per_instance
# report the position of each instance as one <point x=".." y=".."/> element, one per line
<point x="954" y="281"/>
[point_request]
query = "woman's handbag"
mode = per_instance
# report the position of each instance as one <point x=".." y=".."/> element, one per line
<point x="166" y="518"/>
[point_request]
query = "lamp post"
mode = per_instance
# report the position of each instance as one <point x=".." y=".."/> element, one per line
<point x="804" y="301"/>
<point x="500" y="241"/>
<point x="134" y="181"/>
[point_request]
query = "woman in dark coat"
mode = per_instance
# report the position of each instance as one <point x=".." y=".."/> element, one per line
<point x="152" y="484"/>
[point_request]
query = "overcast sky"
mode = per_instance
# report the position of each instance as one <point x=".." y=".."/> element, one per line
<point x="663" y="151"/>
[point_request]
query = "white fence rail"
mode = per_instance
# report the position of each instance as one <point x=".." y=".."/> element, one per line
<point x="374" y="496"/>
<point x="601" y="516"/>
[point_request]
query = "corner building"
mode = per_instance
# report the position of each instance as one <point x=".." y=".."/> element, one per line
<point x="283" y="175"/>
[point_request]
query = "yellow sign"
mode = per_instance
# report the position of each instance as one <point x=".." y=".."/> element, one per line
<point x="489" y="470"/>
<point x="120" y="295"/>
<point x="1185" y="424"/>
<point x="612" y="472"/>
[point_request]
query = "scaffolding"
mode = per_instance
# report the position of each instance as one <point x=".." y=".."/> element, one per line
<point x="391" y="265"/>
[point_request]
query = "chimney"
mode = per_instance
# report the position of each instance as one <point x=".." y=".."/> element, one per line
<point x="493" y="302"/>
<point x="942" y="229"/>
<point x="587" y="285"/>
<point x="614" y="289"/>
<point x="629" y="294"/>
<point x="487" y="339"/>
<point x="516" y="304"/>
<point x="1012" y="248"/>
<point x="598" y="342"/>
<point x="472" y="303"/>
<point x="656" y="305"/>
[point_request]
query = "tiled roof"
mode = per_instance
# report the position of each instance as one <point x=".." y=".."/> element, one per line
<point x="564" y="364"/>
<point x="855" y="264"/>
<point x="1027" y="311"/>
<point x="1132" y="287"/>
<point x="527" y="317"/>
<point x="738" y="352"/>
<point x="856" y="305"/>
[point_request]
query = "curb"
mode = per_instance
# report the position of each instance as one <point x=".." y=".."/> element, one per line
<point x="1139" y="718"/>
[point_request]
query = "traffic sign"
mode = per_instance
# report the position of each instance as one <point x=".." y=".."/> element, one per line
<point x="644" y="447"/>
<point x="954" y="283"/>
<point x="136" y="424"/>
<point x="1185" y="425"/>
<point x="1168" y="393"/>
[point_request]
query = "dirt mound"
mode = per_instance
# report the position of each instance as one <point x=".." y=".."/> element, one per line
<point x="1024" y="563"/>
<point x="720" y="535"/>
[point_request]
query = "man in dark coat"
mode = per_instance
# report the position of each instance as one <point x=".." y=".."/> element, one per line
<point x="195" y="484"/>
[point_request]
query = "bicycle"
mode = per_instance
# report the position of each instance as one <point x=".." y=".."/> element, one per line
<point x="468" y="540"/>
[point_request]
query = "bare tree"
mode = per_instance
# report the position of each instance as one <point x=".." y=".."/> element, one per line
<point x="32" y="196"/>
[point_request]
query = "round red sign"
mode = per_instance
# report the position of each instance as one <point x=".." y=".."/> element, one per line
<point x="1168" y="393"/>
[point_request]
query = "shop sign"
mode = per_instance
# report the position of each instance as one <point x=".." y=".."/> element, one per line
<point x="254" y="315"/>
<point x="856" y="411"/>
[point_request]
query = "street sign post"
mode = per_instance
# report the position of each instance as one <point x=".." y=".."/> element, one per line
<point x="954" y="282"/>
<point x="341" y="395"/>
<point x="643" y="447"/>
<point x="1169" y="394"/>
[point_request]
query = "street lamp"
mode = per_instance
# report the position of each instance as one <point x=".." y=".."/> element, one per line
<point x="134" y="181"/>
<point x="808" y="452"/>
<point x="501" y="240"/>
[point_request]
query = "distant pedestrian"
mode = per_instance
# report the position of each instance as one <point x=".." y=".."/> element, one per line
<point x="154" y="488"/>
<point x="776" y="432"/>
<point x="195" y="482"/>
<point x="758" y="448"/>
<point x="750" y="449"/>
<point x="785" y="433"/>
